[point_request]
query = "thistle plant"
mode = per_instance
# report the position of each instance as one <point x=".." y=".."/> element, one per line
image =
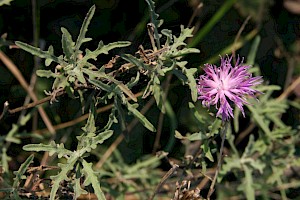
<point x="77" y="162"/>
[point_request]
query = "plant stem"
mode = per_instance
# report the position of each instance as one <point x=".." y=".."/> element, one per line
<point x="212" y="186"/>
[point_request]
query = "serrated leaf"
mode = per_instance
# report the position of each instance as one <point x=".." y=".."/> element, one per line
<point x="189" y="73"/>
<point x="46" y="73"/>
<point x="101" y="49"/>
<point x="84" y="28"/>
<point x="92" y="178"/>
<point x="183" y="52"/>
<point x="22" y="171"/>
<point x="90" y="127"/>
<point x="62" y="175"/>
<point x="78" y="189"/>
<point x="52" y="148"/>
<point x="42" y="54"/>
<point x="67" y="44"/>
<point x="184" y="34"/>
<point x="155" y="22"/>
<point x="140" y="117"/>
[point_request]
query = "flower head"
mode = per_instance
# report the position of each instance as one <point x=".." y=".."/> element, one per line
<point x="227" y="84"/>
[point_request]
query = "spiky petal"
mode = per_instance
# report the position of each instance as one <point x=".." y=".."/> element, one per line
<point x="227" y="84"/>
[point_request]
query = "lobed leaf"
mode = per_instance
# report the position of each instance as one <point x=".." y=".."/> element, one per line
<point x="92" y="178"/>
<point x="81" y="37"/>
<point x="52" y="148"/>
<point x="48" y="55"/>
<point x="62" y="175"/>
<point x="67" y="45"/>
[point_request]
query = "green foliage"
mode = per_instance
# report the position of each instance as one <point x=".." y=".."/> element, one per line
<point x="86" y="142"/>
<point x="259" y="168"/>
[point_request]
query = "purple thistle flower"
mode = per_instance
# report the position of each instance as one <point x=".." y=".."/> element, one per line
<point x="221" y="86"/>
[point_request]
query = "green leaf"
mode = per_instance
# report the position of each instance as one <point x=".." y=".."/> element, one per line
<point x="183" y="52"/>
<point x="62" y="175"/>
<point x="135" y="61"/>
<point x="102" y="75"/>
<point x="214" y="128"/>
<point x="155" y="22"/>
<point x="46" y="73"/>
<point x="140" y="117"/>
<point x="206" y="150"/>
<point x="52" y="148"/>
<point x="42" y="54"/>
<point x="67" y="44"/>
<point x="184" y="34"/>
<point x="101" y="85"/>
<point x="22" y="171"/>
<point x="189" y="73"/>
<point x="101" y="49"/>
<point x="81" y="37"/>
<point x="259" y="120"/>
<point x="158" y="94"/>
<point x="5" y="2"/>
<point x="92" y="178"/>
<point x="90" y="127"/>
<point x="77" y="188"/>
<point x="247" y="185"/>
<point x="191" y="137"/>
<point x="10" y="136"/>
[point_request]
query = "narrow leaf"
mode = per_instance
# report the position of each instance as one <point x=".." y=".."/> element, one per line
<point x="38" y="52"/>
<point x="155" y="22"/>
<point x="46" y="73"/>
<point x="67" y="44"/>
<point x="51" y="148"/>
<point x="62" y="175"/>
<point x="140" y="117"/>
<point x="91" y="177"/>
<point x="84" y="28"/>
<point x="22" y="171"/>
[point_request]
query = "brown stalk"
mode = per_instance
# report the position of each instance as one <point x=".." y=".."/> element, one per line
<point x="16" y="72"/>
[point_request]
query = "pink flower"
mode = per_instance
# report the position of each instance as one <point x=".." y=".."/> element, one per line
<point x="227" y="84"/>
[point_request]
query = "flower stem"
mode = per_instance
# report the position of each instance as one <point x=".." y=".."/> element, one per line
<point x="223" y="135"/>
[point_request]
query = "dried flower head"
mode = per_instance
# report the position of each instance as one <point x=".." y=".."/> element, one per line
<point x="227" y="84"/>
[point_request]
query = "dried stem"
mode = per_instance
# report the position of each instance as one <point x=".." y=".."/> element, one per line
<point x="212" y="186"/>
<point x="195" y="13"/>
<point x="163" y="180"/>
<point x="237" y="37"/>
<point x="15" y="71"/>
<point x="33" y="104"/>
